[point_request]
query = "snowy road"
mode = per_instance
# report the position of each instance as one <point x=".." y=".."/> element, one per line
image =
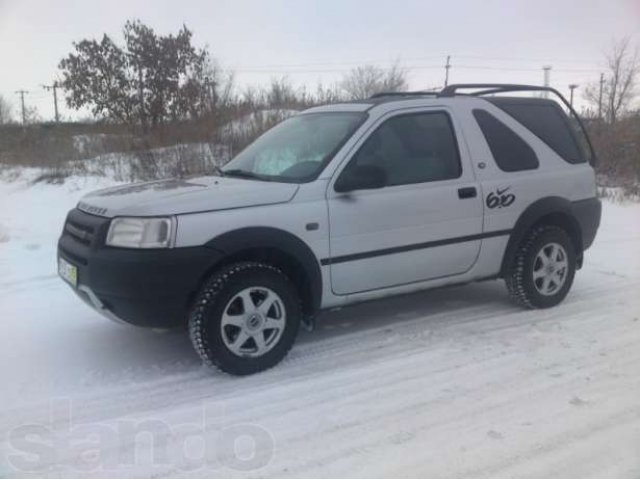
<point x="453" y="382"/>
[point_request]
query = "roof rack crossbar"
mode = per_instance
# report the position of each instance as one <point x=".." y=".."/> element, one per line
<point x="451" y="90"/>
<point x="403" y="94"/>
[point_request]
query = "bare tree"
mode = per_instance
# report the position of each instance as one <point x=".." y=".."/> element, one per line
<point x="225" y="91"/>
<point x="619" y="88"/>
<point x="5" y="111"/>
<point x="281" y="94"/>
<point x="32" y="115"/>
<point x="325" y="95"/>
<point x="362" y="82"/>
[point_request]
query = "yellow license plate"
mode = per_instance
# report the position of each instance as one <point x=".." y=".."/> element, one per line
<point x="68" y="272"/>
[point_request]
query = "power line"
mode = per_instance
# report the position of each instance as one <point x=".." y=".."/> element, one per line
<point x="324" y="64"/>
<point x="37" y="96"/>
<point x="566" y="74"/>
<point x="413" y="59"/>
<point x="521" y="69"/>
<point x="528" y="59"/>
<point x="408" y="67"/>
<point x="299" y="69"/>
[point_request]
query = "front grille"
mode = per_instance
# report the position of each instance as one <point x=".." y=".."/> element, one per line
<point x="84" y="227"/>
<point x="82" y="233"/>
<point x="73" y="257"/>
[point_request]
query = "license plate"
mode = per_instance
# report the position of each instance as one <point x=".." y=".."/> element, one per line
<point x="68" y="272"/>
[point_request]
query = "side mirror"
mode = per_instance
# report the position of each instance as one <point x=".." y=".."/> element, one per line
<point x="361" y="177"/>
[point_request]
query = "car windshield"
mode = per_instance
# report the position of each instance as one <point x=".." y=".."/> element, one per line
<point x="297" y="149"/>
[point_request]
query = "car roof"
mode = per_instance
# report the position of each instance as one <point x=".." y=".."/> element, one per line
<point x="427" y="99"/>
<point x="388" y="103"/>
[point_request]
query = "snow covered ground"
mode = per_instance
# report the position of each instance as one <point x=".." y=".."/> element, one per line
<point x="453" y="382"/>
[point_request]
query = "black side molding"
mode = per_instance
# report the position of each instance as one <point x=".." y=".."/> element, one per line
<point x="414" y="246"/>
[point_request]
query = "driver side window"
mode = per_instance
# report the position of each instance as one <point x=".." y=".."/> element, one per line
<point x="412" y="148"/>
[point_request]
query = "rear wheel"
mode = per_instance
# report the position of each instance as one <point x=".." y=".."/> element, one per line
<point x="543" y="269"/>
<point x="245" y="319"/>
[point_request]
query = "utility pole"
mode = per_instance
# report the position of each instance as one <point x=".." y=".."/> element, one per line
<point x="446" y="71"/>
<point x="547" y="75"/>
<point x="572" y="87"/>
<point x="24" y="113"/>
<point x="54" y="87"/>
<point x="600" y="96"/>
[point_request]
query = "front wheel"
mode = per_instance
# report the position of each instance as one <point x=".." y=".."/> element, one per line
<point x="245" y="319"/>
<point x="543" y="269"/>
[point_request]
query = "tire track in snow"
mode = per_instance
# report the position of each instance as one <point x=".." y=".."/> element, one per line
<point x="173" y="391"/>
<point x="357" y="369"/>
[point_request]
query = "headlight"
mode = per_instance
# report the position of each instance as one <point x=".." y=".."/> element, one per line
<point x="141" y="232"/>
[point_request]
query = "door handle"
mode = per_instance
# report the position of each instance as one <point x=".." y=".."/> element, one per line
<point x="467" y="192"/>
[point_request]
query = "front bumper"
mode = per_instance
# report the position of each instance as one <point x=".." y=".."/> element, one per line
<point x="91" y="299"/>
<point x="150" y="288"/>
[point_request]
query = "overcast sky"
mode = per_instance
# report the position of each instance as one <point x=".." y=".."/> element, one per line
<point x="316" y="41"/>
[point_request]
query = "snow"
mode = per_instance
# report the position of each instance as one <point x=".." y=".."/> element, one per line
<point x="156" y="163"/>
<point x="88" y="143"/>
<point x="181" y="160"/>
<point x="452" y="382"/>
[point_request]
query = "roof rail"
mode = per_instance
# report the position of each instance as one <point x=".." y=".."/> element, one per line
<point x="491" y="88"/>
<point x="402" y="94"/>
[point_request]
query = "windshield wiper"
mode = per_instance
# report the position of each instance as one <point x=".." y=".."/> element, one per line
<point x="236" y="172"/>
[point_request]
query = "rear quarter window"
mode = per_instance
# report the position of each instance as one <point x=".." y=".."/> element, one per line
<point x="510" y="152"/>
<point x="550" y="125"/>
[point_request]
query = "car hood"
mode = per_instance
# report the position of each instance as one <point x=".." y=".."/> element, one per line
<point x="173" y="197"/>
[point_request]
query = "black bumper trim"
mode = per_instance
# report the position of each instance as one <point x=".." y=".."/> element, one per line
<point x="588" y="213"/>
<point x="151" y="288"/>
<point x="145" y="288"/>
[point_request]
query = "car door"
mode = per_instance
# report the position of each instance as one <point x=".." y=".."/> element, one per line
<point x="424" y="223"/>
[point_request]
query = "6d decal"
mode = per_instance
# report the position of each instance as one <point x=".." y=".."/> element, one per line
<point x="500" y="198"/>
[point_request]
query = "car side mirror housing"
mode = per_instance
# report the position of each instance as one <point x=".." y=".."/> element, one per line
<point x="361" y="177"/>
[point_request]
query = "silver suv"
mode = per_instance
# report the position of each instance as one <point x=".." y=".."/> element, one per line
<point x="340" y="204"/>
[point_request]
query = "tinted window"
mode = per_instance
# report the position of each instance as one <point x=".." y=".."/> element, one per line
<point x="412" y="148"/>
<point x="549" y="124"/>
<point x="511" y="153"/>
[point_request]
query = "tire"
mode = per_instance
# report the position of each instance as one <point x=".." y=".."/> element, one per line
<point x="543" y="268"/>
<point x="231" y="328"/>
